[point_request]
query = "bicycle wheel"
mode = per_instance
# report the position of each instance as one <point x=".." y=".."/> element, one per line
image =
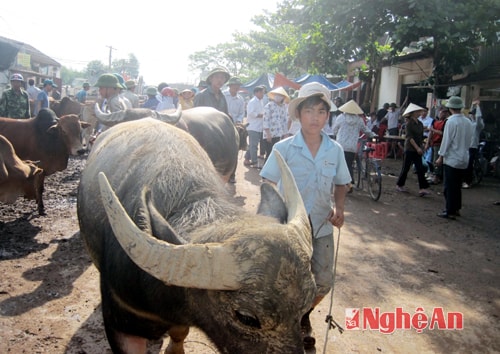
<point x="477" y="172"/>
<point x="356" y="171"/>
<point x="374" y="180"/>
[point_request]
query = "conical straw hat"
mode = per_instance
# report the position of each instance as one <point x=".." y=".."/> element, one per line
<point x="351" y="107"/>
<point x="280" y="91"/>
<point x="412" y="108"/>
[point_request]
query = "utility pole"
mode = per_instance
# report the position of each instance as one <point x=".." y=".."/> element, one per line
<point x="110" y="54"/>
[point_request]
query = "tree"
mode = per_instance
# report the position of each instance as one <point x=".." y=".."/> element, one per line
<point x="228" y="55"/>
<point x="68" y="75"/>
<point x="457" y="28"/>
<point x="321" y="36"/>
<point x="127" y="67"/>
<point x="94" y="69"/>
<point x="271" y="48"/>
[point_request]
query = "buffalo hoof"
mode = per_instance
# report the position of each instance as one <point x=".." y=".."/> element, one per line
<point x="309" y="342"/>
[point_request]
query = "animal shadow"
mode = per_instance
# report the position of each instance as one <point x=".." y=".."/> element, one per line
<point x="17" y="238"/>
<point x="67" y="264"/>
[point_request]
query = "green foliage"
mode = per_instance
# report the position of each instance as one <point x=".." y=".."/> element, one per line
<point x="128" y="66"/>
<point x="321" y="36"/>
<point x="95" y="68"/>
<point x="68" y="75"/>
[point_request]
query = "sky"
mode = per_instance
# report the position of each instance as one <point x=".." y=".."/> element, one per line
<point x="161" y="35"/>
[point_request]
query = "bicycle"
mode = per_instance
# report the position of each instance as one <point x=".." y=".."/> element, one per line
<point x="479" y="165"/>
<point x="366" y="169"/>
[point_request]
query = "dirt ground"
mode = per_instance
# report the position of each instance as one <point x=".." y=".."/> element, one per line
<point x="394" y="253"/>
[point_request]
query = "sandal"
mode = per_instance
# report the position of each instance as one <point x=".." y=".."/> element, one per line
<point x="424" y="192"/>
<point x="402" y="189"/>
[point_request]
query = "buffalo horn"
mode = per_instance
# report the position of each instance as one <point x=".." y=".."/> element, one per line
<point x="172" y="118"/>
<point x="109" y="119"/>
<point x="113" y="118"/>
<point x="297" y="215"/>
<point x="204" y="266"/>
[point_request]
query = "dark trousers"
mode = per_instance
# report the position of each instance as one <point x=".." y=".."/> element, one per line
<point x="410" y="158"/>
<point x="452" y="182"/>
<point x="262" y="148"/>
<point x="268" y="146"/>
<point x="349" y="159"/>
<point x="438" y="170"/>
<point x="468" y="175"/>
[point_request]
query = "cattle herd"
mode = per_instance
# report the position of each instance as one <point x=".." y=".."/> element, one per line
<point x="153" y="211"/>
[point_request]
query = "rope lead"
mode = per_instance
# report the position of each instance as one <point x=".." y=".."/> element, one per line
<point x="329" y="319"/>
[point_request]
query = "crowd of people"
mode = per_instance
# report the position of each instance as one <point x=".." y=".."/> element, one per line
<point x="316" y="136"/>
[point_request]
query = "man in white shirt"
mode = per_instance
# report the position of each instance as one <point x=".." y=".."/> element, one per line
<point x="33" y="92"/>
<point x="235" y="103"/>
<point x="255" y="113"/>
<point x="476" y="117"/>
<point x="454" y="156"/>
<point x="426" y="121"/>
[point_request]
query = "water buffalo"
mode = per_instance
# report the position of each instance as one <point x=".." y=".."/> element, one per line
<point x="18" y="178"/>
<point x="213" y="130"/>
<point x="46" y="139"/>
<point x="174" y="250"/>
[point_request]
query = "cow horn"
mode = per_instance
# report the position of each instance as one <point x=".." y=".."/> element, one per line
<point x="297" y="215"/>
<point x="169" y="118"/>
<point x="209" y="266"/>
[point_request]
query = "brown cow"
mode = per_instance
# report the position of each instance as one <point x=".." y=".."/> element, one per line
<point x="84" y="111"/>
<point x="66" y="106"/>
<point x="46" y="139"/>
<point x="18" y="178"/>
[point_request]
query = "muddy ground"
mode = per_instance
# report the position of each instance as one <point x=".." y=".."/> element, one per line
<point x="394" y="253"/>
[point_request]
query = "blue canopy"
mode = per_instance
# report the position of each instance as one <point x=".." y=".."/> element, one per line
<point x="307" y="78"/>
<point x="343" y="83"/>
<point x="266" y="80"/>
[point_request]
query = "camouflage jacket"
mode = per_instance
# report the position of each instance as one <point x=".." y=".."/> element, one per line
<point x="14" y="105"/>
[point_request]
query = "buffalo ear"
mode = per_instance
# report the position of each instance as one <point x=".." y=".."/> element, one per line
<point x="272" y="204"/>
<point x="159" y="227"/>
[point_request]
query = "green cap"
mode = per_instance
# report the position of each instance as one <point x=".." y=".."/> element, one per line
<point x="218" y="70"/>
<point x="108" y="80"/>
<point x="455" y="102"/>
<point x="234" y="81"/>
<point x="151" y="91"/>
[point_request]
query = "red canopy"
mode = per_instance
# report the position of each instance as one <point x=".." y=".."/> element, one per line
<point x="281" y="80"/>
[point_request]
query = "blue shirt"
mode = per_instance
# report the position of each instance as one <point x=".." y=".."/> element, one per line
<point x="151" y="103"/>
<point x="315" y="177"/>
<point x="43" y="97"/>
<point x="81" y="96"/>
